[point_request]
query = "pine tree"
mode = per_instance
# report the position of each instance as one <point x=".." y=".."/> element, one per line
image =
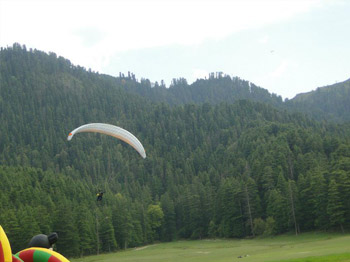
<point x="278" y="210"/>
<point x="66" y="229"/>
<point x="318" y="198"/>
<point x="85" y="225"/>
<point x="28" y="223"/>
<point x="106" y="234"/>
<point x="122" y="222"/>
<point x="155" y="218"/>
<point x="230" y="210"/>
<point x="169" y="224"/>
<point x="335" y="208"/>
<point x="11" y="226"/>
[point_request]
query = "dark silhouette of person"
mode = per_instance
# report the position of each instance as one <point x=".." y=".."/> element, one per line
<point x="99" y="196"/>
<point x="44" y="241"/>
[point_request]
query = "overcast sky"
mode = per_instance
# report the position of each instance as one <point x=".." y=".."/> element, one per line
<point x="287" y="47"/>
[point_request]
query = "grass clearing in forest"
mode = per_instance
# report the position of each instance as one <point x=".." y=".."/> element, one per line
<point x="288" y="248"/>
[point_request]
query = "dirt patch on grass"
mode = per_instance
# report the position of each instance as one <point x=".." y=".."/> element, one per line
<point x="141" y="248"/>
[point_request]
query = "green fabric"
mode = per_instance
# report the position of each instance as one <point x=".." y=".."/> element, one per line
<point x="41" y="256"/>
<point x="16" y="257"/>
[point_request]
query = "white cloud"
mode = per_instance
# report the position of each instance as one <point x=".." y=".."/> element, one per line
<point x="280" y="70"/>
<point x="137" y="24"/>
<point x="199" y="74"/>
<point x="264" y="39"/>
<point x="91" y="32"/>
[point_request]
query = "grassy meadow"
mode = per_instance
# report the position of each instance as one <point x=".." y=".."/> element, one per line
<point x="291" y="248"/>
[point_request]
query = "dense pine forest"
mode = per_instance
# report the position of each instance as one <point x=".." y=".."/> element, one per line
<point x="330" y="102"/>
<point x="225" y="159"/>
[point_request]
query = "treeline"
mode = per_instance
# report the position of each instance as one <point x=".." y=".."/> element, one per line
<point x="330" y="102"/>
<point x="224" y="170"/>
<point x="216" y="89"/>
<point x="35" y="201"/>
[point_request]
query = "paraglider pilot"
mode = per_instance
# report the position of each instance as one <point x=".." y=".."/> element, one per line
<point x="99" y="196"/>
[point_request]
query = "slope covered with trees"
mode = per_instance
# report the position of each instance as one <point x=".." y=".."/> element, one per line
<point x="216" y="89"/>
<point x="212" y="170"/>
<point x="330" y="102"/>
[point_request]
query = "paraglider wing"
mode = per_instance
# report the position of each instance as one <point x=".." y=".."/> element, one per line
<point x="111" y="130"/>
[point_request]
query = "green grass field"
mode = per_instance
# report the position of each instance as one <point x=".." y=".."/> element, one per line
<point x="306" y="247"/>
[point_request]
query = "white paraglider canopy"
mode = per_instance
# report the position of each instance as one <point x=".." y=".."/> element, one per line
<point x="111" y="130"/>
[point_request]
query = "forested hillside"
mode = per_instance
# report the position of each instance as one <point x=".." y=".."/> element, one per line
<point x="212" y="170"/>
<point x="216" y="89"/>
<point x="330" y="102"/>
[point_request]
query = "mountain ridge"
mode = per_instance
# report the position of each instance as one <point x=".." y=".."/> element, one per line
<point x="212" y="169"/>
<point x="330" y="103"/>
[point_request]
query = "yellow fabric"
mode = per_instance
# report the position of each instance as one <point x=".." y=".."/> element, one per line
<point x="4" y="242"/>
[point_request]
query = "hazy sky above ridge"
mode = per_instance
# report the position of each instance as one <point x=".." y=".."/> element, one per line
<point x="287" y="47"/>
